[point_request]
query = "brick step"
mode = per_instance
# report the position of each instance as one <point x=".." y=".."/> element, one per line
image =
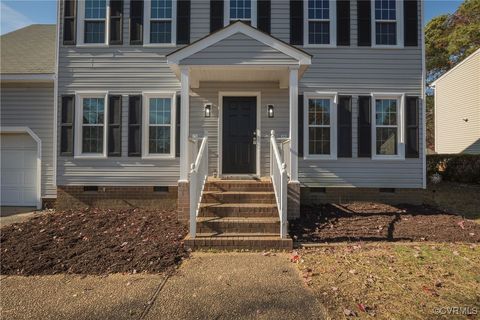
<point x="238" y="225"/>
<point x="239" y="185"/>
<point x="238" y="197"/>
<point x="245" y="210"/>
<point x="230" y="241"/>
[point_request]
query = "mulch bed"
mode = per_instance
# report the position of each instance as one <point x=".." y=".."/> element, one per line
<point x="93" y="242"/>
<point x="366" y="221"/>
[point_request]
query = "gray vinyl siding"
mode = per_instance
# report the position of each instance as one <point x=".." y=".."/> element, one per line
<point x="238" y="49"/>
<point x="30" y="105"/>
<point x="349" y="70"/>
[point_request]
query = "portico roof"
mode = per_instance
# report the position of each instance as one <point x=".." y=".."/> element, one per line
<point x="239" y="52"/>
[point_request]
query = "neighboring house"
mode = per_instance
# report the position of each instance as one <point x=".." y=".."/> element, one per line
<point x="156" y="96"/>
<point x="457" y="108"/>
<point x="27" y="116"/>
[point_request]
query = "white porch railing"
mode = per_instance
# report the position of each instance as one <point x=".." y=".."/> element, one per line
<point x="278" y="173"/>
<point x="285" y="149"/>
<point x="198" y="177"/>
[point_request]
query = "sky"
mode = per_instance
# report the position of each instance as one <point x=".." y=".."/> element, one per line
<point x="16" y="14"/>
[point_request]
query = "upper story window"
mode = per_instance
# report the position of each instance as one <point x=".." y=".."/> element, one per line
<point x="387" y="16"/>
<point x="160" y="27"/>
<point x="319" y="22"/>
<point x="320" y="131"/>
<point x="245" y="10"/>
<point x="93" y="21"/>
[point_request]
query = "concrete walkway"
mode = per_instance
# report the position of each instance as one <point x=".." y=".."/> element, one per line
<point x="10" y="215"/>
<point x="207" y="286"/>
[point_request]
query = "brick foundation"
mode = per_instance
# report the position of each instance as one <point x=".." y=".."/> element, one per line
<point x="339" y="195"/>
<point x="74" y="197"/>
<point x="183" y="203"/>
<point x="293" y="202"/>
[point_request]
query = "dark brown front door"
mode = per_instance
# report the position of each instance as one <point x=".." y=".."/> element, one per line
<point x="239" y="127"/>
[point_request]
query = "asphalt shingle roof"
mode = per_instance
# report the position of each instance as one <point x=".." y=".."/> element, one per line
<point x="30" y="50"/>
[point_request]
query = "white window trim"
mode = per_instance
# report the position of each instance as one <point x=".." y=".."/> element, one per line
<point x="400" y="97"/>
<point x="78" y="152"/>
<point x="399" y="21"/>
<point x="253" y="13"/>
<point x="81" y="26"/>
<point x="146" y="25"/>
<point x="333" y="26"/>
<point x="333" y="96"/>
<point x="145" y="132"/>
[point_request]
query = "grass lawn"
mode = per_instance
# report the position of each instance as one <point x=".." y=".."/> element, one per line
<point x="393" y="280"/>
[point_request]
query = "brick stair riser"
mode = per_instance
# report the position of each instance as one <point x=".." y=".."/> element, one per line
<point x="238" y="187"/>
<point x="222" y="212"/>
<point x="238" y="198"/>
<point x="231" y="227"/>
<point x="222" y="244"/>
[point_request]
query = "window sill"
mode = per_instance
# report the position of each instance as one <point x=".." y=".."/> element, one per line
<point x="313" y="46"/>
<point x="389" y="158"/>
<point x="159" y="45"/>
<point x="88" y="156"/>
<point x="92" y="45"/>
<point x="383" y="46"/>
<point x="319" y="157"/>
<point x="158" y="157"/>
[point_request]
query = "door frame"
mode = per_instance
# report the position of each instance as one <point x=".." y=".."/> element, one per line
<point x="221" y="95"/>
<point x="27" y="130"/>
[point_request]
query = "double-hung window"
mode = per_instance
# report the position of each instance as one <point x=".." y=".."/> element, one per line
<point x="319" y="23"/>
<point x="320" y="120"/>
<point x="93" y="26"/>
<point x="387" y="16"/>
<point x="244" y="10"/>
<point x="387" y="127"/>
<point x="91" y="125"/>
<point x="160" y="27"/>
<point x="159" y="125"/>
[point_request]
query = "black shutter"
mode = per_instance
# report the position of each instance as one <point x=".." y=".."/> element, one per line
<point x="296" y="22"/>
<point x="410" y="17"/>
<point x="412" y="136"/>
<point x="183" y="21"/>
<point x="135" y="126"/>
<point x="136" y="22"/>
<point x="343" y="22"/>
<point x="69" y="22"/>
<point x="364" y="127"/>
<point x="177" y="127"/>
<point x="264" y="15"/>
<point x="216" y="15"/>
<point x="67" y="125"/>
<point x="300" y="125"/>
<point x="116" y="21"/>
<point x="364" y="17"/>
<point x="344" y="113"/>
<point x="115" y="126"/>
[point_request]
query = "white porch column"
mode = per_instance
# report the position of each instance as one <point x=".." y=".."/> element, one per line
<point x="293" y="97"/>
<point x="184" y="123"/>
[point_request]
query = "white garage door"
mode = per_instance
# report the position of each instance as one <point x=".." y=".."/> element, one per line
<point x="18" y="170"/>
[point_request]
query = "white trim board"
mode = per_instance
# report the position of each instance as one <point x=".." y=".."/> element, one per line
<point x="39" y="156"/>
<point x="221" y="95"/>
<point x="239" y="27"/>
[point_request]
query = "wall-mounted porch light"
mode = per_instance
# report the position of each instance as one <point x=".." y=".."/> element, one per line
<point x="270" y="111"/>
<point x="208" y="110"/>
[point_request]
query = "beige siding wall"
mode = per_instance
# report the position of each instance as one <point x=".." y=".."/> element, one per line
<point x="30" y="105"/>
<point x="457" y="98"/>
